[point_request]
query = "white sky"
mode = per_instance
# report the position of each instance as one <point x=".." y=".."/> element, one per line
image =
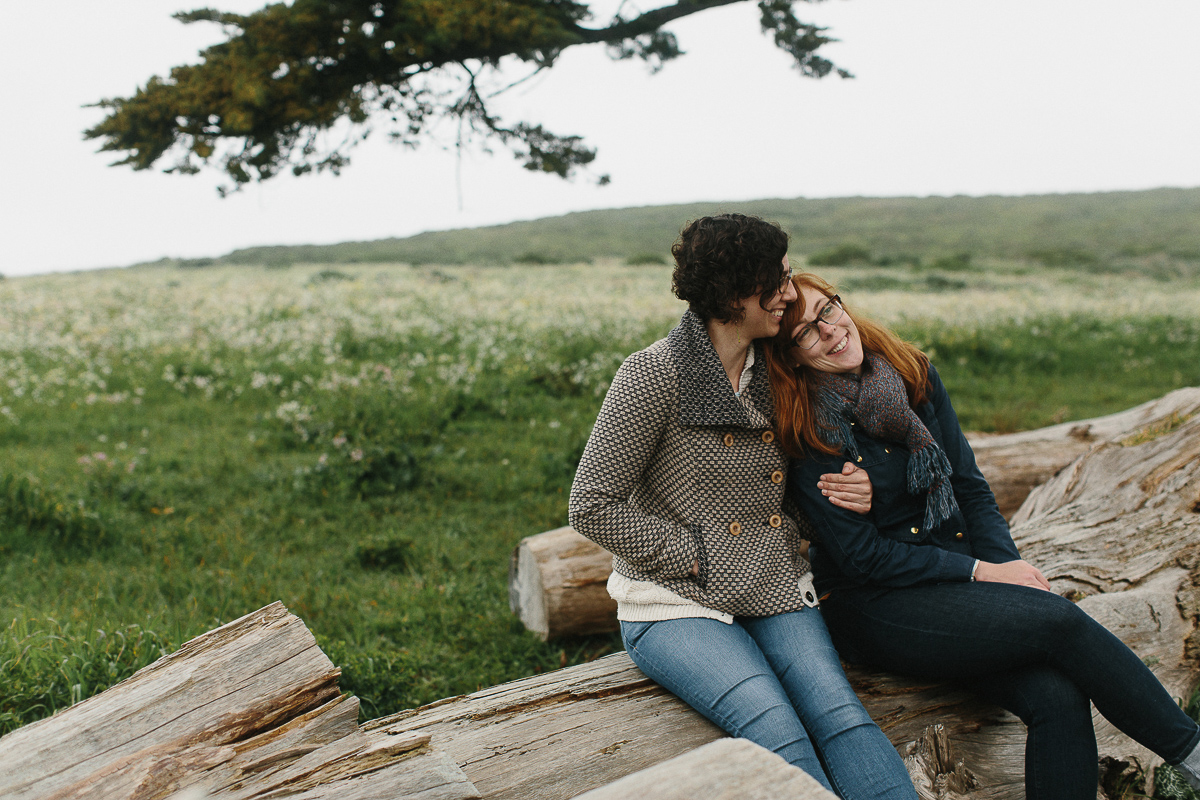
<point x="951" y="97"/>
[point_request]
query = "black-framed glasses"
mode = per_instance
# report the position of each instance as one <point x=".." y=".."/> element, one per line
<point x="783" y="284"/>
<point x="810" y="334"/>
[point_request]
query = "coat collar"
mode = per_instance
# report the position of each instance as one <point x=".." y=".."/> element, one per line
<point x="705" y="396"/>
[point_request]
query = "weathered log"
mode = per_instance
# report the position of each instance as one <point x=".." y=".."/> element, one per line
<point x="727" y="769"/>
<point x="1015" y="463"/>
<point x="556" y="735"/>
<point x="557" y="578"/>
<point x="242" y="711"/>
<point x="556" y="585"/>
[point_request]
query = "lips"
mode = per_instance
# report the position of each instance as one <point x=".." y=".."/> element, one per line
<point x="842" y="345"/>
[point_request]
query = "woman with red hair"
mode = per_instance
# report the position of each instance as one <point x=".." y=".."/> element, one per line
<point x="929" y="583"/>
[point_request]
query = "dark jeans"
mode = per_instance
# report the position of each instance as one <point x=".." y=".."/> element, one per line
<point x="1030" y="651"/>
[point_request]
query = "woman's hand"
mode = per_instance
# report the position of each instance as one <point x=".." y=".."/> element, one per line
<point x="850" y="489"/>
<point x="1020" y="573"/>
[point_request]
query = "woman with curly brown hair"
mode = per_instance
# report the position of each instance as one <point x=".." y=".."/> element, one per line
<point x="682" y="480"/>
<point x="929" y="583"/>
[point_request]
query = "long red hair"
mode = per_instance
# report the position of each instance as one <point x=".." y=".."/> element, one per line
<point x="792" y="386"/>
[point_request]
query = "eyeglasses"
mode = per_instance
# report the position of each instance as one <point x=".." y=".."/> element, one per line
<point x="810" y="334"/>
<point x="783" y="284"/>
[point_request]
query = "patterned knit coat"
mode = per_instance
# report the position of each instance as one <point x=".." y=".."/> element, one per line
<point x="677" y="470"/>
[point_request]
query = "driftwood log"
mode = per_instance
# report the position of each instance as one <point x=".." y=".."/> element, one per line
<point x="248" y="710"/>
<point x="251" y="710"/>
<point x="556" y="579"/>
<point x="727" y="769"/>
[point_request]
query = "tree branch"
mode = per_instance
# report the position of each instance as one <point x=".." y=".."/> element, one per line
<point x="648" y="22"/>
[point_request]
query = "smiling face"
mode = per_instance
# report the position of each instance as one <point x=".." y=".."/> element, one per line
<point x="763" y="313"/>
<point x="838" y="348"/>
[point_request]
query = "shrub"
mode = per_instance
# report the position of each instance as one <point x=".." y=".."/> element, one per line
<point x="953" y="263"/>
<point x="840" y="256"/>
<point x="1064" y="257"/>
<point x="535" y="258"/>
<point x="644" y="259"/>
<point x="898" y="259"/>
<point x="940" y="283"/>
<point x="329" y="276"/>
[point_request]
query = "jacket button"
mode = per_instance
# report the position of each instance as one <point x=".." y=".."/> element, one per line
<point x="958" y="535"/>
<point x="728" y="440"/>
<point x="777" y="476"/>
<point x="916" y="530"/>
<point x="735" y="528"/>
<point x="768" y="436"/>
<point x="858" y="459"/>
<point x="886" y="450"/>
<point x="775" y="521"/>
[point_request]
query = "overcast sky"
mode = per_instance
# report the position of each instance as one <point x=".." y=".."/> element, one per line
<point x="950" y="97"/>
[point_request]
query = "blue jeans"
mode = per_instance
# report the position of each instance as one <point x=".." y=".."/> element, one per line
<point x="1032" y="652"/>
<point x="778" y="682"/>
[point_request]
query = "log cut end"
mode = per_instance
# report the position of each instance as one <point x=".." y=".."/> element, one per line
<point x="557" y="585"/>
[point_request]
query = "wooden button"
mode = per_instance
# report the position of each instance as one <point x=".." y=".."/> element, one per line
<point x="775" y="521"/>
<point x="768" y="436"/>
<point x="735" y="528"/>
<point x="958" y="535"/>
<point x="916" y="530"/>
<point x="777" y="476"/>
<point x="728" y="440"/>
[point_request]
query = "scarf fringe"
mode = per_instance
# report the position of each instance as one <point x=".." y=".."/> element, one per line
<point x="833" y="421"/>
<point x="929" y="470"/>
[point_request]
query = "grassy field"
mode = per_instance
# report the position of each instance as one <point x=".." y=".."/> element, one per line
<point x="368" y="443"/>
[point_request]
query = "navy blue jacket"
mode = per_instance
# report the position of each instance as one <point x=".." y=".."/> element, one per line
<point x="888" y="546"/>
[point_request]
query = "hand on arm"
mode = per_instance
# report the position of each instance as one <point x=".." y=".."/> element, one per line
<point x="1019" y="573"/>
<point x="849" y="489"/>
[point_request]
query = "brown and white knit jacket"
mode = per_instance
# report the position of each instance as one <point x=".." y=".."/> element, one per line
<point x="678" y="470"/>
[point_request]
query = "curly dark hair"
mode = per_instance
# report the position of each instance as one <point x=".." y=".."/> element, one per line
<point x="722" y="259"/>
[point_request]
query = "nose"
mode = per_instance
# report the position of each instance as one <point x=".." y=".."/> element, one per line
<point x="829" y="328"/>
<point x="789" y="293"/>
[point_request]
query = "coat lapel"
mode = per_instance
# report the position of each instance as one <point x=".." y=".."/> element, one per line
<point x="705" y="396"/>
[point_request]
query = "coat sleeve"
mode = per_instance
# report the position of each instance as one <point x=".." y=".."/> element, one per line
<point x="633" y="419"/>
<point x="990" y="537"/>
<point x="854" y="544"/>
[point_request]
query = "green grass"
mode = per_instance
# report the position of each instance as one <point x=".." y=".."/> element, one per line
<point x="182" y="447"/>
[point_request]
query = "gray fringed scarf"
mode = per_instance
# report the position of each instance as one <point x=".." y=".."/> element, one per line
<point x="878" y="401"/>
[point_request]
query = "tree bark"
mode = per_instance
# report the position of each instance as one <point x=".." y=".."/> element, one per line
<point x="245" y="710"/>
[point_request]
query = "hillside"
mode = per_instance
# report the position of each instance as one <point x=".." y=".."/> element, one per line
<point x="1084" y="229"/>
